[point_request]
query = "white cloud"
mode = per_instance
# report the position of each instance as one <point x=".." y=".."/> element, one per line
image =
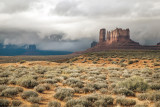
<point x="77" y="19"/>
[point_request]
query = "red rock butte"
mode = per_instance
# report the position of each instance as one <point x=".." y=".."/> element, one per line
<point x="118" y="39"/>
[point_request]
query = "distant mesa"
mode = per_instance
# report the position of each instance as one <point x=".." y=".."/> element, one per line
<point x="94" y="43"/>
<point x="117" y="39"/>
<point x="1" y="45"/>
<point x="27" y="49"/>
<point x="31" y="50"/>
<point x="32" y="47"/>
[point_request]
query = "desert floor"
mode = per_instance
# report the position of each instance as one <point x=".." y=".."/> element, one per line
<point x="103" y="79"/>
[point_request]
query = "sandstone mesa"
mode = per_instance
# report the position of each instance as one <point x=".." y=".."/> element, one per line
<point x="117" y="39"/>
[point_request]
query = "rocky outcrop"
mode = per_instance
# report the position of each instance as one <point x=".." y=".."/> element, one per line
<point x="93" y="44"/>
<point x="118" y="39"/>
<point x="102" y="35"/>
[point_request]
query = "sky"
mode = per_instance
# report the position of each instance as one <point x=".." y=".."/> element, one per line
<point x="76" y="23"/>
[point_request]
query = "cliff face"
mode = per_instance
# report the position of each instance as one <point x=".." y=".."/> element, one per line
<point x="102" y="35"/>
<point x="117" y="37"/>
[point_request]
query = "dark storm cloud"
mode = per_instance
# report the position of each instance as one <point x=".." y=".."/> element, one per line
<point x="18" y="37"/>
<point x="8" y="6"/>
<point x="109" y="8"/>
<point x="73" y="24"/>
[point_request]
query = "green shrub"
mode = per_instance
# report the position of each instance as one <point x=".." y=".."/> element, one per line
<point x="16" y="103"/>
<point x="122" y="60"/>
<point x="113" y="85"/>
<point x="124" y="91"/>
<point x="154" y="96"/>
<point x="54" y="104"/>
<point x="4" y="103"/>
<point x="2" y="87"/>
<point x="117" y="59"/>
<point x="156" y="64"/>
<point x="47" y="86"/>
<point x="157" y="104"/>
<point x="40" y="71"/>
<point x="77" y="90"/>
<point x="88" y="89"/>
<point x="155" y="86"/>
<point x="22" y="61"/>
<point x="100" y="103"/>
<point x="107" y="100"/>
<point x="126" y="75"/>
<point x="3" y="81"/>
<point x="27" y="94"/>
<point x="110" y="59"/>
<point x="9" y="92"/>
<point x="19" y="89"/>
<point x="135" y="84"/>
<point x="103" y="90"/>
<point x="67" y="99"/>
<point x="114" y="62"/>
<point x="62" y="93"/>
<point x="73" y="82"/>
<point x="49" y="81"/>
<point x="4" y="74"/>
<point x="156" y="75"/>
<point x="40" y="88"/>
<point x="29" y="83"/>
<point x="90" y="98"/>
<point x="77" y="103"/>
<point x="97" y="85"/>
<point x="146" y="71"/>
<point x="98" y="100"/>
<point x="34" y="99"/>
<point x="125" y="102"/>
<point x="123" y="65"/>
<point x="94" y="62"/>
<point x="35" y="105"/>
<point x="143" y="96"/>
<point x="74" y="59"/>
<point x="156" y="70"/>
<point x="141" y="106"/>
<point x="130" y="62"/>
<point x="93" y="100"/>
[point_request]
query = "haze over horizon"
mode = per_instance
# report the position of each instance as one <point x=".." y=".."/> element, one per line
<point x="71" y="25"/>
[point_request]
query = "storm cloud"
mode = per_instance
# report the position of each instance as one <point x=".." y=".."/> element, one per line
<point x="76" y="21"/>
